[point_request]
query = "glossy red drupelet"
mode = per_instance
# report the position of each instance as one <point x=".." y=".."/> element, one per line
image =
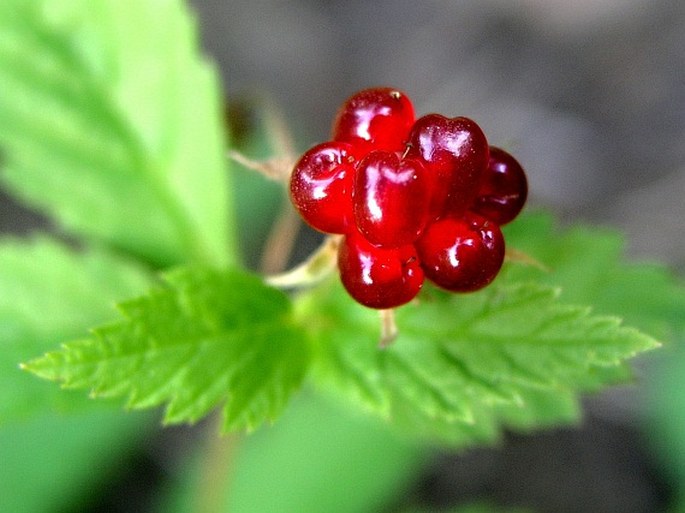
<point x="321" y="187"/>
<point x="390" y="199"/>
<point x="461" y="254"/>
<point x="375" y="119"/>
<point x="455" y="152"/>
<point x="378" y="277"/>
<point x="503" y="188"/>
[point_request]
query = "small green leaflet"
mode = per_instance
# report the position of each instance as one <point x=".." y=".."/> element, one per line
<point x="463" y="365"/>
<point x="110" y="122"/>
<point x="206" y="337"/>
<point x="50" y="293"/>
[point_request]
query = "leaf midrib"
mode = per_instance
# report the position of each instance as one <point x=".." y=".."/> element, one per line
<point x="112" y="115"/>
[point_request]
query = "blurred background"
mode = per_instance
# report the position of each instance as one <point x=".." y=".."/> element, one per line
<point x="588" y="94"/>
<point x="590" y="97"/>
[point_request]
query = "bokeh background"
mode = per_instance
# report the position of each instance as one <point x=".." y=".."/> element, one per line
<point x="590" y="97"/>
<point x="588" y="94"/>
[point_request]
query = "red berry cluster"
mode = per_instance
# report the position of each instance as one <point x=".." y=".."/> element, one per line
<point x="413" y="198"/>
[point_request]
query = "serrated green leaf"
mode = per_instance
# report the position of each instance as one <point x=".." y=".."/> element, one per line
<point x="463" y="365"/>
<point x="588" y="264"/>
<point x="109" y="121"/>
<point x="207" y="337"/>
<point x="49" y="293"/>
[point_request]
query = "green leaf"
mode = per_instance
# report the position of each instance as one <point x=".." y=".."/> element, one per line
<point x="110" y="122"/>
<point x="318" y="444"/>
<point x="207" y="337"/>
<point x="463" y="365"/>
<point x="49" y="293"/>
<point x="53" y="463"/>
<point x="588" y="264"/>
<point x="315" y="443"/>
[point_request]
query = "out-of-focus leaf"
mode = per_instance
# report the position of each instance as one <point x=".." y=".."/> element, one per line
<point x="110" y="122"/>
<point x="52" y="464"/>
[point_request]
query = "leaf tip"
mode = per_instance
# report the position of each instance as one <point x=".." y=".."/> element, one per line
<point x="43" y="367"/>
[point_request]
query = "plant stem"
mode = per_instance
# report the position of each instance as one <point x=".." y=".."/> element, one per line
<point x="217" y="470"/>
<point x="389" y="330"/>
<point x="320" y="264"/>
<point x="280" y="241"/>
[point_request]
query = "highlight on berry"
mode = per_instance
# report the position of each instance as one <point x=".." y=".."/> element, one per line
<point x="413" y="198"/>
